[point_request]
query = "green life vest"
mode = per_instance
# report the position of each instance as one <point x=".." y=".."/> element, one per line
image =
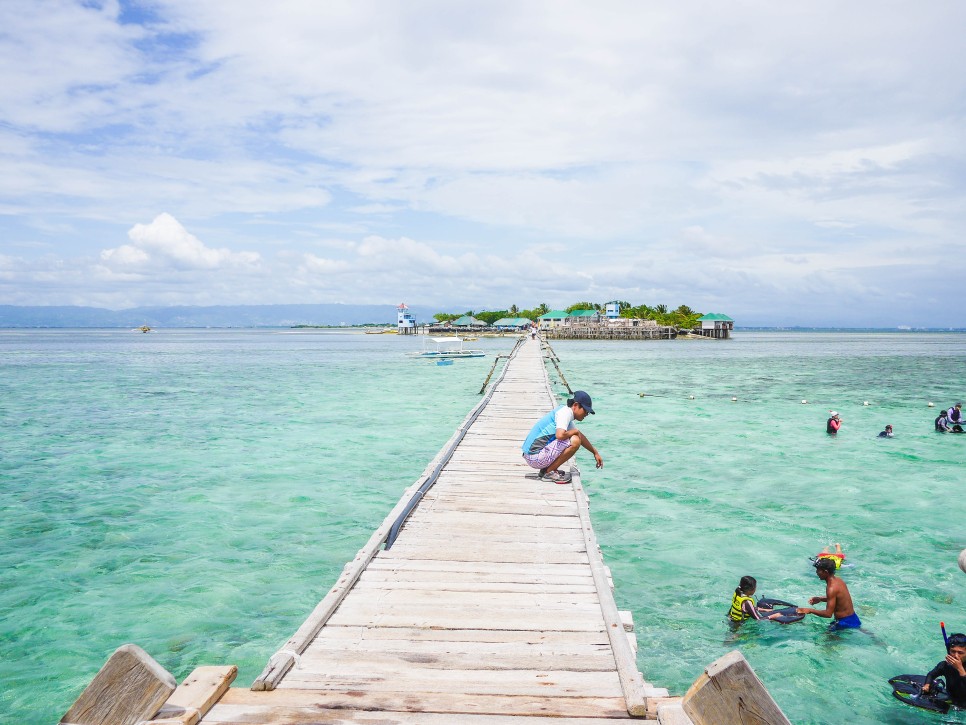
<point x="736" y="613"/>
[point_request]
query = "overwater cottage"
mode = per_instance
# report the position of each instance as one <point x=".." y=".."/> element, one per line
<point x="716" y="325"/>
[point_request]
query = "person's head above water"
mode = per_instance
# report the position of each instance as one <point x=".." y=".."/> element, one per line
<point x="747" y="586"/>
<point x="956" y="640"/>
<point x="824" y="565"/>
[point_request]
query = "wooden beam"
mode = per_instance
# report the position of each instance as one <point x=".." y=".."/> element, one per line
<point x="730" y="691"/>
<point x="196" y="695"/>
<point x="129" y="688"/>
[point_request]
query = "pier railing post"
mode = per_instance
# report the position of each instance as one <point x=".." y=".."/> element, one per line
<point x="729" y="691"/>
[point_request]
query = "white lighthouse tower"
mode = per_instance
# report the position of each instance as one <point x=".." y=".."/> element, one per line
<point x="405" y="321"/>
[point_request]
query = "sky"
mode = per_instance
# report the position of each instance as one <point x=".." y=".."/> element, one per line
<point x="785" y="164"/>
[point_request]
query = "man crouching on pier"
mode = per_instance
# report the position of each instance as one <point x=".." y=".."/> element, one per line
<point x="555" y="439"/>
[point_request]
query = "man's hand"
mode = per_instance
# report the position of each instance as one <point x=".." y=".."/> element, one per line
<point x="600" y="461"/>
<point x="814" y="600"/>
<point x="955" y="662"/>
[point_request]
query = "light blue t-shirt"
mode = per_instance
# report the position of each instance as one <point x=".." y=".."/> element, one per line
<point x="545" y="429"/>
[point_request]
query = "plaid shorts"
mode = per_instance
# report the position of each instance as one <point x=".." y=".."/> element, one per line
<point x="548" y="454"/>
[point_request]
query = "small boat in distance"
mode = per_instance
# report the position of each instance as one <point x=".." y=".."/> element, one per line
<point x="381" y="331"/>
<point x="142" y="328"/>
<point x="447" y="348"/>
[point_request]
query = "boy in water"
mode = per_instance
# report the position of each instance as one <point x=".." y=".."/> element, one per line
<point x="838" y="601"/>
<point x="952" y="669"/>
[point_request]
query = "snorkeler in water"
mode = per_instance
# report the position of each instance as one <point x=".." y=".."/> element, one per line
<point x="837" y="556"/>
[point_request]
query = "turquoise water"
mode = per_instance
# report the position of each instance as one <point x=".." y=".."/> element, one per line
<point x="197" y="493"/>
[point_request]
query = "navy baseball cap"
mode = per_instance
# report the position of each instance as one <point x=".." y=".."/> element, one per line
<point x="581" y="397"/>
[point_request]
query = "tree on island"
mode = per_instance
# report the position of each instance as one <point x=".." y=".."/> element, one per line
<point x="682" y="318"/>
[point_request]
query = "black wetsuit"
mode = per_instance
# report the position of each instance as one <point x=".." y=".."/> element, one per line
<point x="955" y="683"/>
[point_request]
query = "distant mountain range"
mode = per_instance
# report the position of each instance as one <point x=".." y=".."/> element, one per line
<point x="216" y="316"/>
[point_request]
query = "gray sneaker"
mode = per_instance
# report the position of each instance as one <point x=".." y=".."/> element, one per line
<point x="556" y="477"/>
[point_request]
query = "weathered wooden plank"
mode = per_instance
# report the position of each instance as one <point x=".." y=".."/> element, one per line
<point x="472" y="650"/>
<point x="504" y="619"/>
<point x="475" y="576"/>
<point x="497" y="518"/>
<point x="494" y="507"/>
<point x="195" y="695"/>
<point x="303" y="707"/>
<point x="407" y="662"/>
<point x="129" y="688"/>
<point x="491" y="554"/>
<point x="382" y="562"/>
<point x="437" y="585"/>
<point x="537" y="636"/>
<point x="729" y="691"/>
<point x="520" y="536"/>
<point x="549" y="683"/>
<point x="390" y="597"/>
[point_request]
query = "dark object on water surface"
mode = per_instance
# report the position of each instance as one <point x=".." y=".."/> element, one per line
<point x="908" y="689"/>
<point x="788" y="610"/>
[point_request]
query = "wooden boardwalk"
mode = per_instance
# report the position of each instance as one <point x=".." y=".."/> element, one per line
<point x="491" y="606"/>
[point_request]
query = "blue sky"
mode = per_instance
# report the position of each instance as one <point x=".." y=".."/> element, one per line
<point x="782" y="164"/>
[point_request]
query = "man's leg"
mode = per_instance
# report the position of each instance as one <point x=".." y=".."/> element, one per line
<point x="566" y="455"/>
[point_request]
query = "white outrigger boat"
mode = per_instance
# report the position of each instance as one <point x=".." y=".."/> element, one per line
<point x="447" y="348"/>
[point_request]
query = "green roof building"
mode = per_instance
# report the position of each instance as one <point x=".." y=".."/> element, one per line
<point x="468" y="321"/>
<point x="715" y="324"/>
<point x="512" y="323"/>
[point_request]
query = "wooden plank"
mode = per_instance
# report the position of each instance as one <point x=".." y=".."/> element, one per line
<point x="488" y="554"/>
<point x="447" y="576"/>
<point x="536" y="636"/>
<point x="498" y="518"/>
<point x="548" y="683"/>
<point x="129" y="688"/>
<point x="390" y="597"/>
<point x="243" y="706"/>
<point x="545" y="538"/>
<point x="729" y="691"/>
<point x="478" y="650"/>
<point x="503" y="619"/>
<point x="408" y="663"/>
<point x="382" y="562"/>
<point x="195" y="695"/>
<point x="437" y="585"/>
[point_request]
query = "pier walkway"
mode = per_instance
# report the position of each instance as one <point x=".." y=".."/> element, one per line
<point x="491" y="605"/>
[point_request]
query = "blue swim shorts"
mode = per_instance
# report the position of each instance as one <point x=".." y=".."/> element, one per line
<point x="849" y="622"/>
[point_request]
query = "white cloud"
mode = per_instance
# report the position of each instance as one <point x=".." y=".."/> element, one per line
<point x="164" y="242"/>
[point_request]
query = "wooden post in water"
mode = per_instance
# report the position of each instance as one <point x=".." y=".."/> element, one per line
<point x="129" y="688"/>
<point x="729" y="691"/>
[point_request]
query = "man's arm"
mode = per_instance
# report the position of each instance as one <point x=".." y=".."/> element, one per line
<point x="566" y="434"/>
<point x="829" y="606"/>
<point x="932" y="675"/>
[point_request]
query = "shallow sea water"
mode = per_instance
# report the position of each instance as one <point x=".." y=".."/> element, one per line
<point x="198" y="491"/>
